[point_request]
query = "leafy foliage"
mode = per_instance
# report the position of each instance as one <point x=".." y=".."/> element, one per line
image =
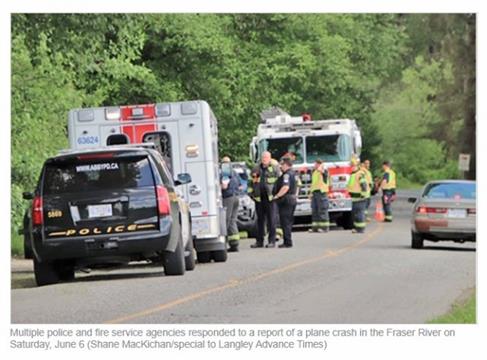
<point x="376" y="68"/>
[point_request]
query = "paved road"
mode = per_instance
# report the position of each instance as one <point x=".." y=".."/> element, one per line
<point x="337" y="277"/>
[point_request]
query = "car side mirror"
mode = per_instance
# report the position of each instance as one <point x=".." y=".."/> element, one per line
<point x="412" y="200"/>
<point x="183" y="178"/>
<point x="27" y="195"/>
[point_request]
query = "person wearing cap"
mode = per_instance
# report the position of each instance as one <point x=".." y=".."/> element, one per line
<point x="358" y="190"/>
<point x="388" y="186"/>
<point x="264" y="177"/>
<point x="285" y="197"/>
<point x="230" y="183"/>
<point x="320" y="221"/>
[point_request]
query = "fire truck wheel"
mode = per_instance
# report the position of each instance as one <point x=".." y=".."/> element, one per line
<point x="45" y="273"/>
<point x="174" y="263"/>
<point x="203" y="257"/>
<point x="346" y="221"/>
<point x="219" y="255"/>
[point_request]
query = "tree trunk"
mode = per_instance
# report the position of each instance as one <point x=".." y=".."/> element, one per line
<point x="469" y="132"/>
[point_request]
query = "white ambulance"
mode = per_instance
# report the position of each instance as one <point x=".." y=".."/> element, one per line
<point x="186" y="135"/>
<point x="332" y="141"/>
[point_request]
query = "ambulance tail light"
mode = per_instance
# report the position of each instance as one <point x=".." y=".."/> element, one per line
<point x="163" y="202"/>
<point x="37" y="215"/>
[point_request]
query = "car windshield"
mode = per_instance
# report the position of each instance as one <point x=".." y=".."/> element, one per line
<point x="450" y="191"/>
<point x="328" y="148"/>
<point x="292" y="146"/>
<point x="87" y="176"/>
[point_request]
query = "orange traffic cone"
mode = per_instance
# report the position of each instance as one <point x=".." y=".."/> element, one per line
<point x="379" y="211"/>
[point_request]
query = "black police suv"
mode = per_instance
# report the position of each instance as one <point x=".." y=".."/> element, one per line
<point x="106" y="207"/>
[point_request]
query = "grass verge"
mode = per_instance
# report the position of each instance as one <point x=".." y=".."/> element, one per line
<point x="461" y="313"/>
<point x="17" y="245"/>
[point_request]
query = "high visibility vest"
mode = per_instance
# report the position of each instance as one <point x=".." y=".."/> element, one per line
<point x="368" y="178"/>
<point x="317" y="182"/>
<point x="356" y="183"/>
<point x="271" y="176"/>
<point x="391" y="183"/>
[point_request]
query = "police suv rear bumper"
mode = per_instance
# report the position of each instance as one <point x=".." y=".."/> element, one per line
<point x="134" y="245"/>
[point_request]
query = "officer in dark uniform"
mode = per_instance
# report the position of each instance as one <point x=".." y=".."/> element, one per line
<point x="264" y="177"/>
<point x="285" y="196"/>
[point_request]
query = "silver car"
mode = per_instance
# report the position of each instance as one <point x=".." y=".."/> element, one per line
<point x="446" y="210"/>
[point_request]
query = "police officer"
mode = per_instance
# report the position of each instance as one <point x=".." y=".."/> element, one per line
<point x="285" y="197"/>
<point x="388" y="186"/>
<point x="358" y="189"/>
<point x="320" y="221"/>
<point x="264" y="177"/>
<point x="230" y="184"/>
<point x="365" y="167"/>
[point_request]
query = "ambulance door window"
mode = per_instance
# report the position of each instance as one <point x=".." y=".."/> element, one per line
<point x="162" y="141"/>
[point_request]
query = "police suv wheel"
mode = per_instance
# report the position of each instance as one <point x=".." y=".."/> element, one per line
<point x="174" y="263"/>
<point x="45" y="273"/>
<point x="219" y="255"/>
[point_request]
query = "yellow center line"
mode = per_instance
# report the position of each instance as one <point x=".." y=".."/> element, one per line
<point x="237" y="282"/>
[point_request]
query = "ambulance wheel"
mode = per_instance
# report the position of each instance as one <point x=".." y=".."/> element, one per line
<point x="219" y="255"/>
<point x="45" y="273"/>
<point x="174" y="263"/>
<point x="203" y="257"/>
<point x="189" y="258"/>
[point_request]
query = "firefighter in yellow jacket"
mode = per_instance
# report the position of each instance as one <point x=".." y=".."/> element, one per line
<point x="320" y="221"/>
<point x="365" y="167"/>
<point x="359" y="190"/>
<point x="388" y="186"/>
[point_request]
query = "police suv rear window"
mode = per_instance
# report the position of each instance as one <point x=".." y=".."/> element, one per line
<point x="86" y="176"/>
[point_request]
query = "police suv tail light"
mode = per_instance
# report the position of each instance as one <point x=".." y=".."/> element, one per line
<point x="163" y="203"/>
<point x="37" y="215"/>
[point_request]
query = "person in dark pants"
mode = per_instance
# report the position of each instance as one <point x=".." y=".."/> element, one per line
<point x="230" y="183"/>
<point x="365" y="167"/>
<point x="320" y="220"/>
<point x="388" y="186"/>
<point x="264" y="177"/>
<point x="285" y="197"/>
<point x="358" y="190"/>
